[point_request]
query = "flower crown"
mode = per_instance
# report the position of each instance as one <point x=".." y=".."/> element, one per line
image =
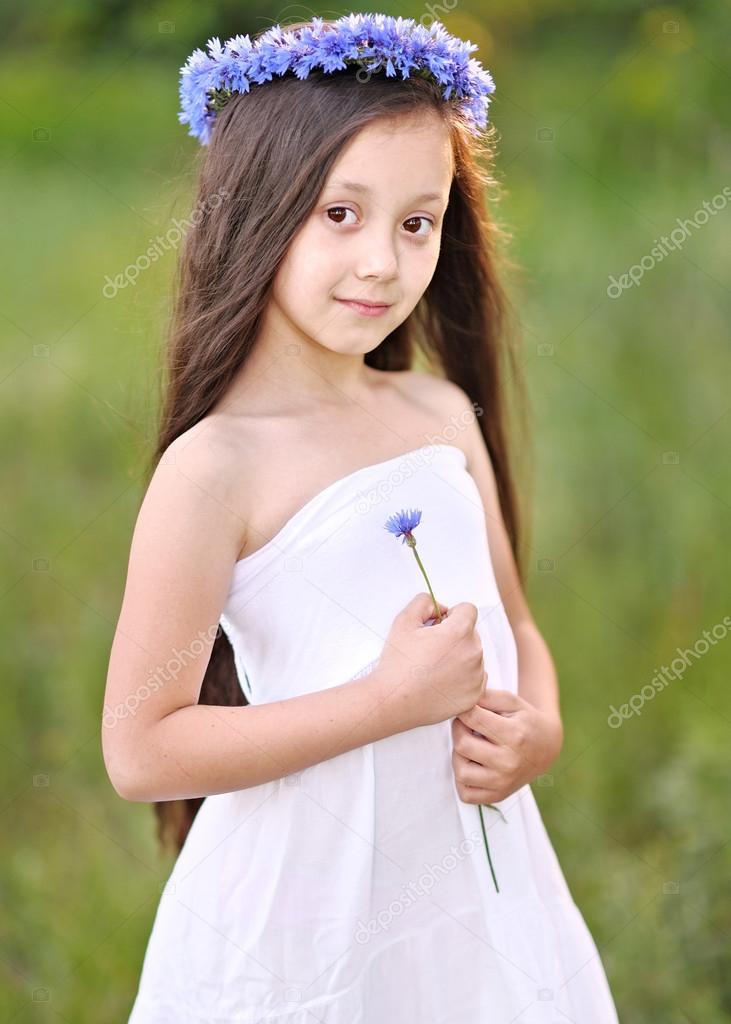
<point x="208" y="81"/>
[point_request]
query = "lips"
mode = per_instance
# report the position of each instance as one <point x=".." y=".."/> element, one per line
<point x="364" y="302"/>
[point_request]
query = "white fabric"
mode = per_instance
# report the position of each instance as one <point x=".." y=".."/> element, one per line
<point x="359" y="892"/>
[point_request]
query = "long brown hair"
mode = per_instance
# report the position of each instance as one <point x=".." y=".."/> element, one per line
<point x="270" y="154"/>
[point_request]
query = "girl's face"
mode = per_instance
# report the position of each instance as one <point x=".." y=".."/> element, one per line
<point x="373" y="236"/>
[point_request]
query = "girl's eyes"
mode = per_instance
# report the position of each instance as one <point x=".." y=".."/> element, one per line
<point x="410" y="220"/>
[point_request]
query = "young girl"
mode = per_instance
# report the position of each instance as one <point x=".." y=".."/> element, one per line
<point x="349" y="791"/>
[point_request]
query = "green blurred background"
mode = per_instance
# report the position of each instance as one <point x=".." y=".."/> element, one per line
<point x="613" y="123"/>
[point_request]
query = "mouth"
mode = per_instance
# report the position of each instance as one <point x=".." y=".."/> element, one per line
<point x="365" y="308"/>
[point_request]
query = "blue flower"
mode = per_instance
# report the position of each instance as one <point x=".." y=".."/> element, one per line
<point x="375" y="41"/>
<point x="401" y="525"/>
<point x="403" y="522"/>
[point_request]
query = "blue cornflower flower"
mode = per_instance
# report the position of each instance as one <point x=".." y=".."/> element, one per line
<point x="375" y="41"/>
<point x="401" y="524"/>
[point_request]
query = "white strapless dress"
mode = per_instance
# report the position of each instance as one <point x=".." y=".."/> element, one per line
<point x="358" y="891"/>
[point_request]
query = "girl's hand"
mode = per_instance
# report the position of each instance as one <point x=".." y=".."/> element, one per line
<point x="436" y="673"/>
<point x="517" y="744"/>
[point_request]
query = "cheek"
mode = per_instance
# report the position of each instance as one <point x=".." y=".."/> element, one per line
<point x="430" y="258"/>
<point x="418" y="258"/>
<point x="308" y="272"/>
<point x="417" y="267"/>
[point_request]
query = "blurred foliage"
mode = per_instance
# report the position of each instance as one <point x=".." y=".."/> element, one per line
<point x="614" y="124"/>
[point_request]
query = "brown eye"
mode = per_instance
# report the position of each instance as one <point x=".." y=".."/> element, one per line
<point x="417" y="220"/>
<point x="341" y="211"/>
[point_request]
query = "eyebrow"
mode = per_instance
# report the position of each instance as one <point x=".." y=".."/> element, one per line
<point x="356" y="186"/>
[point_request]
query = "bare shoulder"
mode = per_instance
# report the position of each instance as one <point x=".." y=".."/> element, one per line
<point x="451" y="410"/>
<point x="194" y="492"/>
<point x="241" y="460"/>
<point x="439" y="392"/>
<point x="206" y="455"/>
<point x="459" y="418"/>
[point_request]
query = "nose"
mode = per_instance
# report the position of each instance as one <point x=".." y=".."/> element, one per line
<point x="378" y="255"/>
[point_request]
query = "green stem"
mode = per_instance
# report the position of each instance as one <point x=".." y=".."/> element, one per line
<point x="484" y="836"/>
<point x="436" y="606"/>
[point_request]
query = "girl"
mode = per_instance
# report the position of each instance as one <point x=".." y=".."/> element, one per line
<point x="329" y="770"/>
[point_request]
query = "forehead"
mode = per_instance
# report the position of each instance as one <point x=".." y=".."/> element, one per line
<point x="406" y="154"/>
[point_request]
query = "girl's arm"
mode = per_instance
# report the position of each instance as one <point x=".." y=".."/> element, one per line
<point x="158" y="742"/>
<point x="203" y="749"/>
<point x="537" y="680"/>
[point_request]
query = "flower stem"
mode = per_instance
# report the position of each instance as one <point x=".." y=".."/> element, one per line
<point x="484" y="836"/>
<point x="436" y="606"/>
